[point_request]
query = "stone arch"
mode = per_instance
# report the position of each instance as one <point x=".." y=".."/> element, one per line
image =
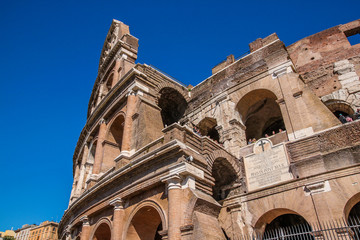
<point x="338" y="106"/>
<point x="350" y="204"/>
<point x="220" y="154"/>
<point x="226" y="171"/>
<point x="108" y="84"/>
<point x="352" y="214"/>
<point x="172" y="104"/>
<point x="102" y="230"/>
<point x="92" y="150"/>
<point x="268" y="218"/>
<point x="144" y="221"/>
<point x="182" y="90"/>
<point x="260" y="113"/>
<point x="113" y="140"/>
<point x="207" y="127"/>
<point x="115" y="129"/>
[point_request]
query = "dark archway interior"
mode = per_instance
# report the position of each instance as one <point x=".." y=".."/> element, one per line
<point x="273" y="125"/>
<point x="157" y="235"/>
<point x="337" y="114"/>
<point x="207" y="127"/>
<point x="172" y="104"/>
<point x="224" y="176"/>
<point x="354" y="220"/>
<point x="103" y="232"/>
<point x="92" y="152"/>
<point x="284" y="225"/>
<point x="109" y="83"/>
<point x="145" y="225"/>
<point x="338" y="107"/>
<point x="262" y="118"/>
<point x="116" y="131"/>
<point x="260" y="113"/>
<point x="355" y="211"/>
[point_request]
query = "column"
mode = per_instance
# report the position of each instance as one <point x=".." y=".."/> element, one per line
<point x="116" y="73"/>
<point x="130" y="110"/>
<point x="173" y="184"/>
<point x="85" y="231"/>
<point x="235" y="214"/>
<point x="99" y="148"/>
<point x="67" y="234"/>
<point x="118" y="220"/>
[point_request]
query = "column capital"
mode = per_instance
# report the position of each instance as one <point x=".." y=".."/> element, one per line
<point x="85" y="220"/>
<point x="130" y="93"/>
<point x="102" y="121"/>
<point x="68" y="230"/>
<point x="173" y="181"/>
<point x="118" y="203"/>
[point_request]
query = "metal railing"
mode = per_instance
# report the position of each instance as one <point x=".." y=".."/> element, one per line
<point x="330" y="230"/>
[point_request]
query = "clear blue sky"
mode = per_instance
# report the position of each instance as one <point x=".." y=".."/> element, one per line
<point x="49" y="53"/>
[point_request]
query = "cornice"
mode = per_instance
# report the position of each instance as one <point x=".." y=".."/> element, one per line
<point x="111" y="176"/>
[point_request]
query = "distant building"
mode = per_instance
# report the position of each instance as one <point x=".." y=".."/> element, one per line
<point x="46" y="231"/>
<point x="23" y="232"/>
<point x="10" y="233"/>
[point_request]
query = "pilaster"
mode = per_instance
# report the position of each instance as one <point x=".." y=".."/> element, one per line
<point x="118" y="219"/>
<point x="99" y="148"/>
<point x="181" y="176"/>
<point x="173" y="187"/>
<point x="130" y="110"/>
<point x="85" y="231"/>
<point x="116" y="72"/>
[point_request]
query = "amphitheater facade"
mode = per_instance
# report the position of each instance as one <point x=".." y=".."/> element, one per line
<point x="255" y="146"/>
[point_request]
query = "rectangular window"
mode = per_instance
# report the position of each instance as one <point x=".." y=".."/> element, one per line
<point x="353" y="35"/>
<point x="354" y="39"/>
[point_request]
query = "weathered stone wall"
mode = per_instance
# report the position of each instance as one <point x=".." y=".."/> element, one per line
<point x="328" y="64"/>
<point x="172" y="175"/>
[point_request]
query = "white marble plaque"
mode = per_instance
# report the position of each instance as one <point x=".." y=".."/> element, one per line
<point x="268" y="165"/>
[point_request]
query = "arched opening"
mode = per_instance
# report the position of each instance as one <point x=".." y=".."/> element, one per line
<point x="145" y="225"/>
<point x="225" y="178"/>
<point x="207" y="127"/>
<point x="115" y="133"/>
<point x="172" y="104"/>
<point x="92" y="151"/>
<point x="113" y="141"/>
<point x="354" y="220"/>
<point x="109" y="83"/>
<point x="288" y="226"/>
<point x="340" y="109"/>
<point x="89" y="165"/>
<point x="352" y="214"/>
<point x="102" y="232"/>
<point x="260" y="114"/>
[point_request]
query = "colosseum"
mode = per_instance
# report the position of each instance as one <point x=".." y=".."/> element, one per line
<point x="267" y="147"/>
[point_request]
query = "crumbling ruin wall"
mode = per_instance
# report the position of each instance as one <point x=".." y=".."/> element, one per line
<point x="329" y="64"/>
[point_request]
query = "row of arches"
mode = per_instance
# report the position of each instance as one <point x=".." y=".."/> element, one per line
<point x="147" y="222"/>
<point x="293" y="224"/>
<point x="258" y="111"/>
